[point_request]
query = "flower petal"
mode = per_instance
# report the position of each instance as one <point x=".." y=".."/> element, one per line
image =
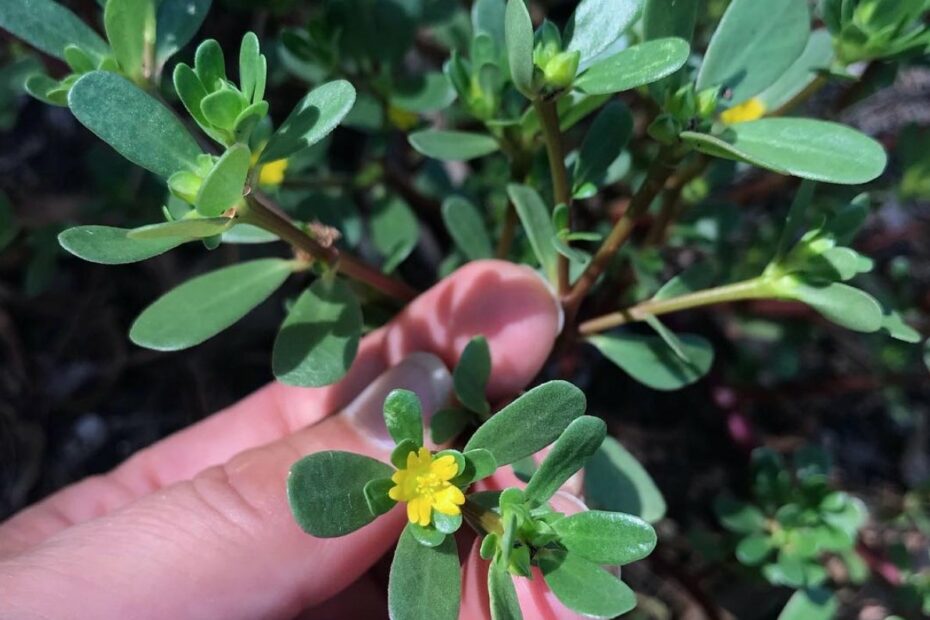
<point x="445" y="467"/>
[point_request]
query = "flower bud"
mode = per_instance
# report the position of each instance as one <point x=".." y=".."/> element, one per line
<point x="560" y="71"/>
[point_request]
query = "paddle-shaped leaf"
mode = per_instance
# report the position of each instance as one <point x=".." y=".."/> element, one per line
<point x="537" y="223"/>
<point x="326" y="492"/>
<point x="614" y="480"/>
<point x="394" y="231"/>
<point x="530" y="423"/>
<point x="453" y="145"/>
<point x="425" y="582"/>
<point x="224" y="185"/>
<point x="651" y="362"/>
<point x="801" y="147"/>
<point x="113" y="246"/>
<point x="470" y="376"/>
<point x="176" y="24"/>
<point x="126" y="22"/>
<point x="606" y="537"/>
<point x="842" y="304"/>
<point x="596" y="24"/>
<point x="312" y="119"/>
<point x="206" y="305"/>
<point x="50" y="27"/>
<point x="816" y="57"/>
<point x="403" y="416"/>
<point x="634" y="66"/>
<point x="502" y="593"/>
<point x="183" y="230"/>
<point x="755" y="42"/>
<point x="467" y="228"/>
<point x="568" y="455"/>
<point x="318" y="340"/>
<point x="583" y="586"/>
<point x="140" y="128"/>
<point x="518" y="34"/>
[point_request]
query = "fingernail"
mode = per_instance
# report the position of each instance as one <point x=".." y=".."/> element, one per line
<point x="422" y="373"/>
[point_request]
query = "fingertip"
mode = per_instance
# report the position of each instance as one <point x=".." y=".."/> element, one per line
<point x="509" y="304"/>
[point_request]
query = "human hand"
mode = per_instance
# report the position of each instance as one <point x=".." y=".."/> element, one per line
<point x="197" y="526"/>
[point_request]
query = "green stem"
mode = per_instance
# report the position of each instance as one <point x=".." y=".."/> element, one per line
<point x="260" y="211"/>
<point x="552" y="135"/>
<point x="659" y="172"/>
<point x="756" y="288"/>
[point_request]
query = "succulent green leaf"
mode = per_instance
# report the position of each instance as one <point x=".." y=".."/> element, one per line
<point x="537" y="222"/>
<point x="453" y="145"/>
<point x="843" y="304"/>
<point x="596" y="24"/>
<point x="754" y="44"/>
<point x="140" y="128"/>
<point x="221" y="108"/>
<point x="206" y="305"/>
<point x="224" y="185"/>
<point x="810" y="604"/>
<point x="467" y="228"/>
<point x="429" y="92"/>
<point x="739" y="516"/>
<point x="402" y="450"/>
<point x="186" y="229"/>
<point x="126" y="22"/>
<point x="816" y="58"/>
<point x="314" y="118"/>
<point x="651" y="362"/>
<point x="583" y="586"/>
<point x="753" y="549"/>
<point x="609" y="133"/>
<point x="892" y="323"/>
<point x="479" y="464"/>
<point x="394" y="231"/>
<point x="113" y="246"/>
<point x="530" y="423"/>
<point x="177" y="22"/>
<point x="606" y="537"/>
<point x="376" y="495"/>
<point x="518" y="35"/>
<point x="319" y="338"/>
<point x="249" y="65"/>
<point x="487" y="16"/>
<point x="210" y="65"/>
<point x="801" y="147"/>
<point x="670" y="18"/>
<point x="46" y="89"/>
<point x="614" y="480"/>
<point x="191" y="92"/>
<point x="425" y="582"/>
<point x="570" y="452"/>
<point x="403" y="416"/>
<point x="427" y="536"/>
<point x="447" y="424"/>
<point x="446" y="524"/>
<point x="502" y="593"/>
<point x="634" y="67"/>
<point x="326" y="492"/>
<point x="470" y="376"/>
<point x="50" y="27"/>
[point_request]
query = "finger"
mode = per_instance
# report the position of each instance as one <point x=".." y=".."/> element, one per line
<point x="536" y="600"/>
<point x="507" y="303"/>
<point x="223" y="545"/>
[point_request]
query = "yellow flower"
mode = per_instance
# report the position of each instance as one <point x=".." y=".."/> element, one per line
<point x="749" y="110"/>
<point x="424" y="485"/>
<point x="272" y="173"/>
<point x="402" y="119"/>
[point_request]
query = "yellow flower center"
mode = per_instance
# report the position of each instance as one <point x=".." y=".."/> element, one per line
<point x="425" y="485"/>
<point x="749" y="110"/>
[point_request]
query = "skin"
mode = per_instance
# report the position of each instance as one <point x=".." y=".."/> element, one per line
<point x="197" y="525"/>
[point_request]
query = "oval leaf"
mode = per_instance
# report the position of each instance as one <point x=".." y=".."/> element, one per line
<point x="530" y="423"/>
<point x="801" y="147"/>
<point x="843" y="304"/>
<point x="606" y="537"/>
<point x="425" y="582"/>
<point x="502" y="593"/>
<point x="319" y="339"/>
<point x="470" y="376"/>
<point x="584" y="586"/>
<point x="176" y="24"/>
<point x="140" y="128"/>
<point x="312" y="119"/>
<point x="635" y="66"/>
<point x="518" y="36"/>
<point x="452" y="145"/>
<point x="125" y="22"/>
<point x="568" y="455"/>
<point x="816" y="57"/>
<point x="206" y="305"/>
<point x="755" y="42"/>
<point x="193" y="228"/>
<point x="614" y="480"/>
<point x="50" y="27"/>
<point x="326" y="492"/>
<point x="651" y="362"/>
<point x="224" y="185"/>
<point x="537" y="223"/>
<point x="466" y="227"/>
<point x="596" y="24"/>
<point x="113" y="246"/>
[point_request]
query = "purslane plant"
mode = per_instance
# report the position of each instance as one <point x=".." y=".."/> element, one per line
<point x="534" y="110"/>
<point x="334" y="493"/>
